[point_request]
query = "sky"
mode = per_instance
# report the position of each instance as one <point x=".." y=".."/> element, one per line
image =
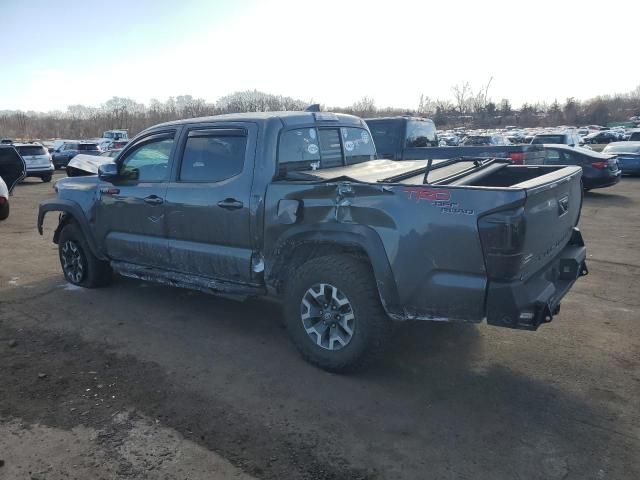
<point x="57" y="53"/>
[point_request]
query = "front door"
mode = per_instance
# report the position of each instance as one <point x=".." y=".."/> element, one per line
<point x="131" y="213"/>
<point x="207" y="205"/>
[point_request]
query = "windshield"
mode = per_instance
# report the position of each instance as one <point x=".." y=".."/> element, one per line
<point x="539" y="139"/>
<point x="622" y="148"/>
<point x="31" y="150"/>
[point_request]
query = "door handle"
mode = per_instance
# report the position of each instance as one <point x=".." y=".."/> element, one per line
<point x="153" y="200"/>
<point x="230" y="204"/>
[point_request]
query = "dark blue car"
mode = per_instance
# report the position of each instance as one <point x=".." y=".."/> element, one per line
<point x="598" y="170"/>
<point x="627" y="154"/>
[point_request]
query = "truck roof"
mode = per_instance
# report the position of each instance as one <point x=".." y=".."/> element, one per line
<point x="400" y="117"/>
<point x="287" y="118"/>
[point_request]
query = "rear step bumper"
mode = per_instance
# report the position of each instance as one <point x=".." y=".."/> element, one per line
<point x="526" y="304"/>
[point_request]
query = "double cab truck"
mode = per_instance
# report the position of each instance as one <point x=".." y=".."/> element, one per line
<point x="412" y="138"/>
<point x="296" y="205"/>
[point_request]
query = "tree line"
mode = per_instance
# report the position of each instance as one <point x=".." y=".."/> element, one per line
<point x="467" y="106"/>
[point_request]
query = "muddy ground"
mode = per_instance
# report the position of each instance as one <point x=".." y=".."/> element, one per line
<point x="144" y="381"/>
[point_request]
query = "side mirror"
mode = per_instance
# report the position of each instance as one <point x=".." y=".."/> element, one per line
<point x="108" y="172"/>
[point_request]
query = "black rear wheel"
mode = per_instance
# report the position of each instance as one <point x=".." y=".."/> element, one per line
<point x="334" y="315"/>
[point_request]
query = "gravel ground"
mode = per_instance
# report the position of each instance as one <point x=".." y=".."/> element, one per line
<point x="144" y="381"/>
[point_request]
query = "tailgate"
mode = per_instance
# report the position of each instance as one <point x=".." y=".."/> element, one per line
<point x="520" y="241"/>
<point x="551" y="210"/>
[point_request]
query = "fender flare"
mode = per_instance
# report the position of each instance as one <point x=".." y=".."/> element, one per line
<point x="74" y="210"/>
<point x="358" y="236"/>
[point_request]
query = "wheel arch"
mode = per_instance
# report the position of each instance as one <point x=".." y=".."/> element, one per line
<point x="70" y="212"/>
<point x="297" y="247"/>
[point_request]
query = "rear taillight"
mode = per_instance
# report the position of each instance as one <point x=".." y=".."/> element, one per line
<point x="599" y="165"/>
<point x="502" y="235"/>
<point x="517" y="158"/>
<point x="2" y="201"/>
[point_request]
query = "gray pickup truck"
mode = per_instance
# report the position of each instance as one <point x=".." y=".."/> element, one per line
<point x="295" y="205"/>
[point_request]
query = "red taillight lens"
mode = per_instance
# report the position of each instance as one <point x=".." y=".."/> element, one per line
<point x="2" y="201"/>
<point x="599" y="165"/>
<point x="517" y="158"/>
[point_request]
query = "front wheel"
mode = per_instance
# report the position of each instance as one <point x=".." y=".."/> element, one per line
<point x="334" y="315"/>
<point x="79" y="265"/>
<point x="46" y="178"/>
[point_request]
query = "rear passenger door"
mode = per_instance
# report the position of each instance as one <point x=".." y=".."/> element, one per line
<point x="208" y="202"/>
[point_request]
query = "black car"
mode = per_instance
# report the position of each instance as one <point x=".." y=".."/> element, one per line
<point x="604" y="136"/>
<point x="598" y="170"/>
<point x="67" y="151"/>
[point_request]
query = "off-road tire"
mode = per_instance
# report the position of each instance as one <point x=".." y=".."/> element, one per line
<point x="95" y="272"/>
<point x="4" y="211"/>
<point x="354" y="278"/>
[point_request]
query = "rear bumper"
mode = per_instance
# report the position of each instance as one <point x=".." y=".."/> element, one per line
<point x="525" y="304"/>
<point x="40" y="171"/>
<point x="603" y="181"/>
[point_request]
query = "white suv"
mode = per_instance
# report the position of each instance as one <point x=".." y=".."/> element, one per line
<point x="37" y="159"/>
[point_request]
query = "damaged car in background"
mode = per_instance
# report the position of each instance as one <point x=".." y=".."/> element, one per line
<point x="296" y="205"/>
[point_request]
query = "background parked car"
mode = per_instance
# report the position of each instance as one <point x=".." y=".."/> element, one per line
<point x="603" y="136"/>
<point x="485" y="140"/>
<point x="571" y="138"/>
<point x="37" y="159"/>
<point x="627" y="154"/>
<point x="598" y="170"/>
<point x="69" y="150"/>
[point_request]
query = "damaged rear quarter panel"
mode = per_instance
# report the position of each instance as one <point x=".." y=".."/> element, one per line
<point x="428" y="234"/>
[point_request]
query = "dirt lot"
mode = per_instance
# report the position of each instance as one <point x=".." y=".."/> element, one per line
<point x="144" y="381"/>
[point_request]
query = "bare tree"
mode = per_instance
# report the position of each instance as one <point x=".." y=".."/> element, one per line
<point x="461" y="93"/>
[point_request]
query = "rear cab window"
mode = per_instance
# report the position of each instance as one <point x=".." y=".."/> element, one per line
<point x="421" y="134"/>
<point x="386" y="135"/>
<point x="311" y="148"/>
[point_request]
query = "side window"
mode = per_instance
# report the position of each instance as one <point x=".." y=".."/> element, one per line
<point x="330" y="148"/>
<point x="552" y="156"/>
<point x="421" y="134"/>
<point x="358" y="146"/>
<point x="149" y="162"/>
<point x="299" y="150"/>
<point x="212" y="157"/>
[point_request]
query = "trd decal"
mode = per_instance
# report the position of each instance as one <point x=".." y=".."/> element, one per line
<point x="438" y="198"/>
<point x="429" y="194"/>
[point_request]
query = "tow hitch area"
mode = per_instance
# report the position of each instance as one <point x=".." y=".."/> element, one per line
<point x="529" y="303"/>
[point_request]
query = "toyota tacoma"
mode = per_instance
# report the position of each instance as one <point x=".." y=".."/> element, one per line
<point x="296" y="205"/>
